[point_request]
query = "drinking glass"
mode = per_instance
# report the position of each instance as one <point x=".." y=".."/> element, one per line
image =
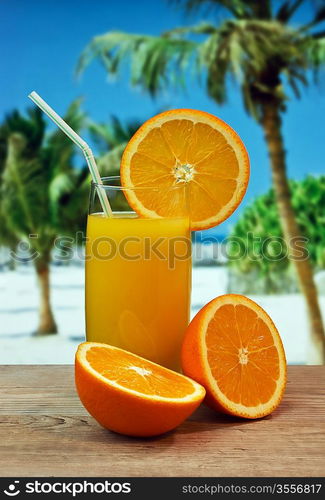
<point x="138" y="273"/>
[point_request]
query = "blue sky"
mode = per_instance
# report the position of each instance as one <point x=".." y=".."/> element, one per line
<point x="41" y="41"/>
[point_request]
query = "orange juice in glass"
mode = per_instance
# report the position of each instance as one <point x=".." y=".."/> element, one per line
<point x="138" y="277"/>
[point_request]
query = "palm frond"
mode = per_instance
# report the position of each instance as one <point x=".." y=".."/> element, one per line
<point x="101" y="135"/>
<point x="24" y="190"/>
<point x="69" y="195"/>
<point x="287" y="10"/>
<point x="111" y="138"/>
<point x="59" y="149"/>
<point x="8" y="238"/>
<point x="238" y="8"/>
<point x="319" y="17"/>
<point x="202" y="28"/>
<point x="294" y="77"/>
<point x="109" y="163"/>
<point x="258" y="48"/>
<point x="318" y="35"/>
<point x="257" y="53"/>
<point x="315" y="50"/>
<point x="258" y="10"/>
<point x="62" y="184"/>
<point x="111" y="134"/>
<point x="32" y="126"/>
<point x="154" y="61"/>
<point x="216" y="70"/>
<point x="40" y="190"/>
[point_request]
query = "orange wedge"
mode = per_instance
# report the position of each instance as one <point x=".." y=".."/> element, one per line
<point x="193" y="150"/>
<point x="130" y="395"/>
<point x="234" y="350"/>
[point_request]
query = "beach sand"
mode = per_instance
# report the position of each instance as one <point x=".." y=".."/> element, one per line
<point x="19" y="305"/>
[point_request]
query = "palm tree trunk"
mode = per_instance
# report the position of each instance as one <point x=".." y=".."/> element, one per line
<point x="271" y="122"/>
<point x="46" y="319"/>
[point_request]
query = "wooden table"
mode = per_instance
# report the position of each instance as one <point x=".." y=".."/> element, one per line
<point x="45" y="431"/>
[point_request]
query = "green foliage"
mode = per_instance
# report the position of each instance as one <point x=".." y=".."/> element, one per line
<point x="111" y="139"/>
<point x="32" y="126"/>
<point x="24" y="194"/>
<point x="41" y="192"/>
<point x="109" y="163"/>
<point x="155" y="62"/>
<point x="57" y="149"/>
<point x="259" y="236"/>
<point x="256" y="45"/>
<point x="112" y="134"/>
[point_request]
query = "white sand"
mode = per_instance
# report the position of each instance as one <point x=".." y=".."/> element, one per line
<point x="19" y="303"/>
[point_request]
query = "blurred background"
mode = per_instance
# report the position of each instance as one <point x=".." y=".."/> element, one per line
<point x="107" y="66"/>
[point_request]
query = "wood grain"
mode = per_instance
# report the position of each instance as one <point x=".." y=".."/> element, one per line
<point x="45" y="431"/>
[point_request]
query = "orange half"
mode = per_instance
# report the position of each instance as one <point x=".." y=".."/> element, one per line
<point x="130" y="395"/>
<point x="192" y="150"/>
<point x="234" y="350"/>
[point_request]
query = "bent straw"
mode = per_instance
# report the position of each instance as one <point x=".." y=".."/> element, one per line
<point x="80" y="143"/>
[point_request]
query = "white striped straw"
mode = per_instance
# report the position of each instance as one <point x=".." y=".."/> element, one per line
<point x="82" y="145"/>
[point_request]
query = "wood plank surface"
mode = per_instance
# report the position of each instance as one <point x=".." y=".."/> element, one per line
<point x="44" y="431"/>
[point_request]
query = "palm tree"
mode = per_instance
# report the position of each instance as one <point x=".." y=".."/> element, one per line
<point x="42" y="195"/>
<point x="34" y="128"/>
<point x="266" y="54"/>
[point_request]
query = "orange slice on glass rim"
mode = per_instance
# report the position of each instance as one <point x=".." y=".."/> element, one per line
<point x="234" y="350"/>
<point x="191" y="149"/>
